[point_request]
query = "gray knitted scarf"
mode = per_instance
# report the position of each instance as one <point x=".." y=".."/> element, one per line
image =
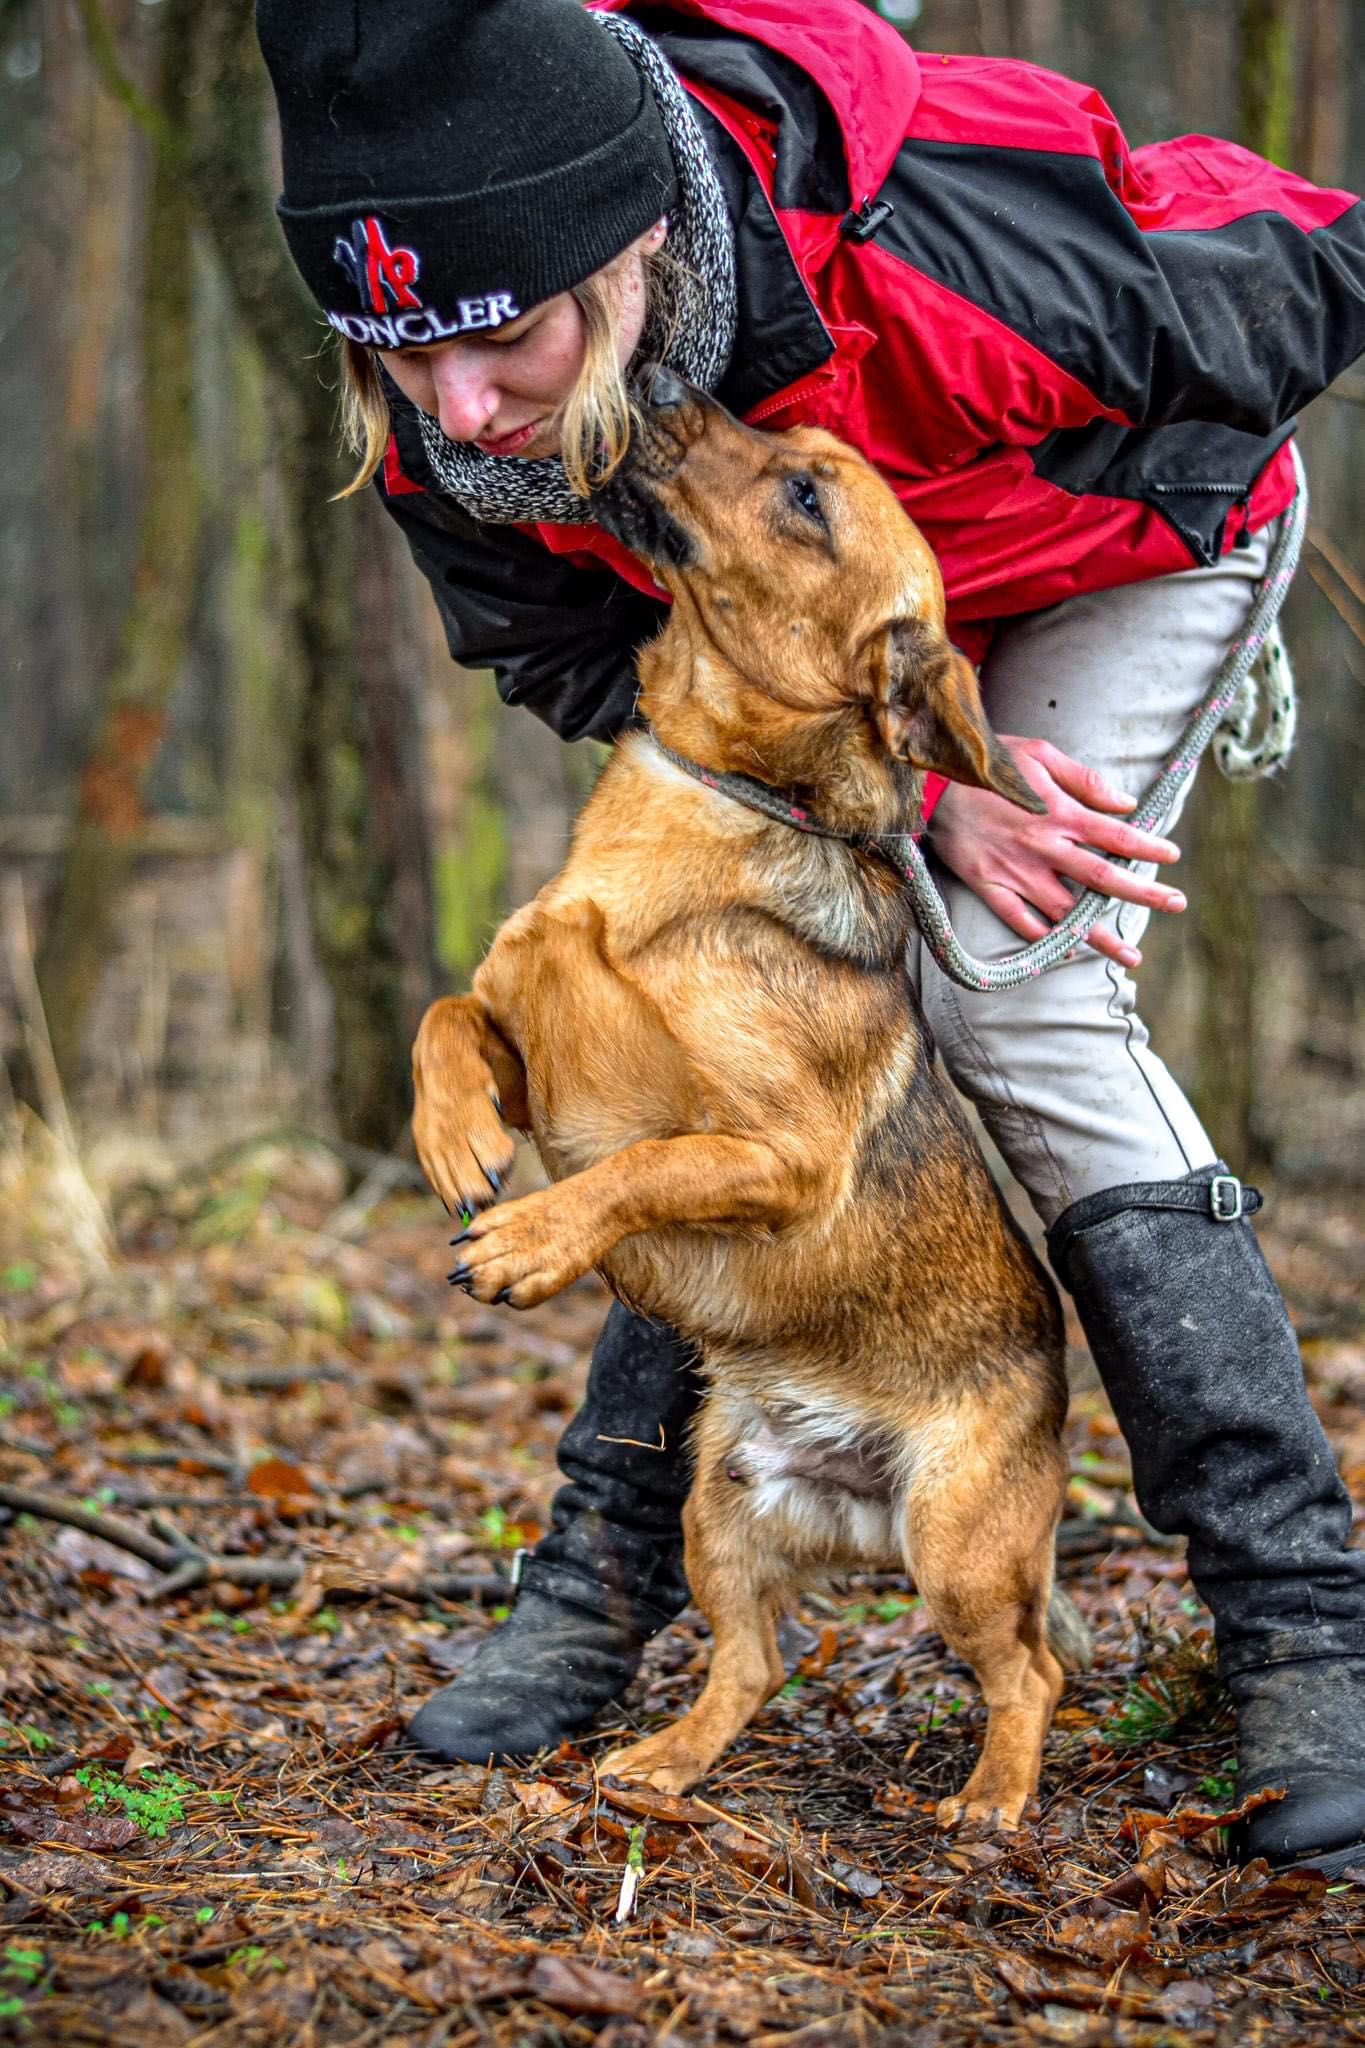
<point x="502" y="488"/>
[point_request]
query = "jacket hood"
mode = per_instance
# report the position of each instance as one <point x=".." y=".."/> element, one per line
<point x="864" y="69"/>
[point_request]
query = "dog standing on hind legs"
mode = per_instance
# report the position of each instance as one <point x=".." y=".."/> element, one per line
<point x="705" y="1023"/>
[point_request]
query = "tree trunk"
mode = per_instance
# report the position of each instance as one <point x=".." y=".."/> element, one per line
<point x="388" y="660"/>
<point x="155" y="637"/>
<point x="1228" y="918"/>
<point x="352" y="859"/>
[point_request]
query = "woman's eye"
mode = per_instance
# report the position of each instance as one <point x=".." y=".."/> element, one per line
<point x="806" y="498"/>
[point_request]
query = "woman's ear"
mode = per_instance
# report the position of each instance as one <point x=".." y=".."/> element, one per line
<point x="927" y="709"/>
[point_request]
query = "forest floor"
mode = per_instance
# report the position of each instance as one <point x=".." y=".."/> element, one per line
<point x="208" y="1834"/>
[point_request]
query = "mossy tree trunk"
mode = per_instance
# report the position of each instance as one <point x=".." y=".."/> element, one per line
<point x="1228" y="929"/>
<point x="155" y="637"/>
<point x="352" y="871"/>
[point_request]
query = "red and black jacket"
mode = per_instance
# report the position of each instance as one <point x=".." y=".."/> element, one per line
<point x="1077" y="364"/>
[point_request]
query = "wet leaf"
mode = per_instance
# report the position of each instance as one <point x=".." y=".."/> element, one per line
<point x="862" y="1883"/>
<point x="648" y="1804"/>
<point x="1041" y="1978"/>
<point x="540" y="1797"/>
<point x="571" y="1986"/>
<point x="1107" y="1937"/>
<point x="1192" y="1821"/>
<point x="276" y="1479"/>
<point x="26" y="1820"/>
<point x="1256" y="1891"/>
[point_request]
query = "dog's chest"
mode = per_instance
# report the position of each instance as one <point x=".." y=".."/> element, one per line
<point x="831" y="900"/>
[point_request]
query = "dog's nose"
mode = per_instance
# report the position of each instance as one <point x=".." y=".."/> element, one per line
<point x="661" y="386"/>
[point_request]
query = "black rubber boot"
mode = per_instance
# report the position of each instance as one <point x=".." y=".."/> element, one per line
<point x="1198" y="1356"/>
<point x="607" y="1576"/>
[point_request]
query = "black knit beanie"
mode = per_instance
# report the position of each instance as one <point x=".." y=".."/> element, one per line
<point x="450" y="163"/>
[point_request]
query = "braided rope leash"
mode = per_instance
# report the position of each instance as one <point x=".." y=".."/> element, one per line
<point x="1255" y="666"/>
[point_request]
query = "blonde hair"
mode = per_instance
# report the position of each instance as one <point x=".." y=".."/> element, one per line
<point x="595" y="419"/>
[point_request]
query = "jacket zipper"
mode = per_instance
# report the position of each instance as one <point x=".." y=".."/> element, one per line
<point x="780" y="400"/>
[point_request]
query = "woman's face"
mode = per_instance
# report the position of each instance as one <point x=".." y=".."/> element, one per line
<point x="502" y="389"/>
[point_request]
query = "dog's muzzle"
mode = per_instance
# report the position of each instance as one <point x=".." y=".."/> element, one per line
<point x="668" y="416"/>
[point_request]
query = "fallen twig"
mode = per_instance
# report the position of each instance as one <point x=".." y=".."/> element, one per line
<point x="187" y="1566"/>
<point x="56" y="1507"/>
<point x="269" y="1379"/>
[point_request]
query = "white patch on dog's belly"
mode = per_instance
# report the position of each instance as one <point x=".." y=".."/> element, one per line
<point x="853" y="1465"/>
<point x="822" y="1522"/>
<point x="826" y="1476"/>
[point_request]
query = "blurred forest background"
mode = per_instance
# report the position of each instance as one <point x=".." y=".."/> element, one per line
<point x="251" y="816"/>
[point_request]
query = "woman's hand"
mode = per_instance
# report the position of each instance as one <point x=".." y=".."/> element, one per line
<point x="1020" y="864"/>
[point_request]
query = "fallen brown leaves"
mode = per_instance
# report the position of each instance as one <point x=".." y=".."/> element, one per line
<point x="250" y="1390"/>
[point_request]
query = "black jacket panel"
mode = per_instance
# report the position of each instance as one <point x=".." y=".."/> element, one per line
<point x="1165" y="326"/>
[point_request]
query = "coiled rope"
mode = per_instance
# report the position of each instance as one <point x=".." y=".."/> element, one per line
<point x="1254" y="687"/>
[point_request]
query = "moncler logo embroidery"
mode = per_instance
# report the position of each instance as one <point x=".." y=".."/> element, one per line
<point x="385" y="276"/>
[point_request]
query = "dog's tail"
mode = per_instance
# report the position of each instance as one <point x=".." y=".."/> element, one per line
<point x="1068" y="1636"/>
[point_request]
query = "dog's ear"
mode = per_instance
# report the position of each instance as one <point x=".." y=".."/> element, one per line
<point x="927" y="709"/>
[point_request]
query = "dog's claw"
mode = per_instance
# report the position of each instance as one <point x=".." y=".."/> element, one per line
<point x="503" y="1295"/>
<point x="465" y="1237"/>
<point x="494" y="1179"/>
<point x="461" y="1273"/>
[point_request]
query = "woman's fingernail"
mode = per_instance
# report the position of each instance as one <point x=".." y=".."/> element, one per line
<point x="1175" y="901"/>
<point x="1130" y="958"/>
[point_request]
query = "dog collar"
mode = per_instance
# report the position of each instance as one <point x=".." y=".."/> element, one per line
<point x="781" y="806"/>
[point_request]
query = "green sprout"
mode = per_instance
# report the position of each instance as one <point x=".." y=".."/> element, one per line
<point x="1221" y="1785"/>
<point x="156" y="1805"/>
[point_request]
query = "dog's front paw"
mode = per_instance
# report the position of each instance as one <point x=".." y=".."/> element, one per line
<point x="526" y="1251"/>
<point x="464" y="1149"/>
<point x="655" y="1762"/>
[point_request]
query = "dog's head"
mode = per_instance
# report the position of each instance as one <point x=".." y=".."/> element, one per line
<point x="793" y="562"/>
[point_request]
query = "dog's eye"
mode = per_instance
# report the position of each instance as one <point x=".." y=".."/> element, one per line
<point x="803" y="494"/>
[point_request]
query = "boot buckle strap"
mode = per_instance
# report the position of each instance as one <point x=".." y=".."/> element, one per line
<point x="1225" y="1198"/>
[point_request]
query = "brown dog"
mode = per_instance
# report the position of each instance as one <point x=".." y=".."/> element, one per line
<point x="705" y="1022"/>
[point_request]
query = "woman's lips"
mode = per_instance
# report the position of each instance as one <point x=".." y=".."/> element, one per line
<point x="508" y="444"/>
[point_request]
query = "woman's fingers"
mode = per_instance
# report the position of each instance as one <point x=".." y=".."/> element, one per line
<point x="1087" y="785"/>
<point x="1093" y="871"/>
<point x="1032" y="922"/>
<point x="1111" y="835"/>
<point x="1012" y="910"/>
<point x="1112" y="946"/>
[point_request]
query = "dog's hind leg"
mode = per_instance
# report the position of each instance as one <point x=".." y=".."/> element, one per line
<point x="740" y="1587"/>
<point x="981" y="1542"/>
<point x="469" y="1086"/>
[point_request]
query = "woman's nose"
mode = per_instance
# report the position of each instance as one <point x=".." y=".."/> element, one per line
<point x="466" y="395"/>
